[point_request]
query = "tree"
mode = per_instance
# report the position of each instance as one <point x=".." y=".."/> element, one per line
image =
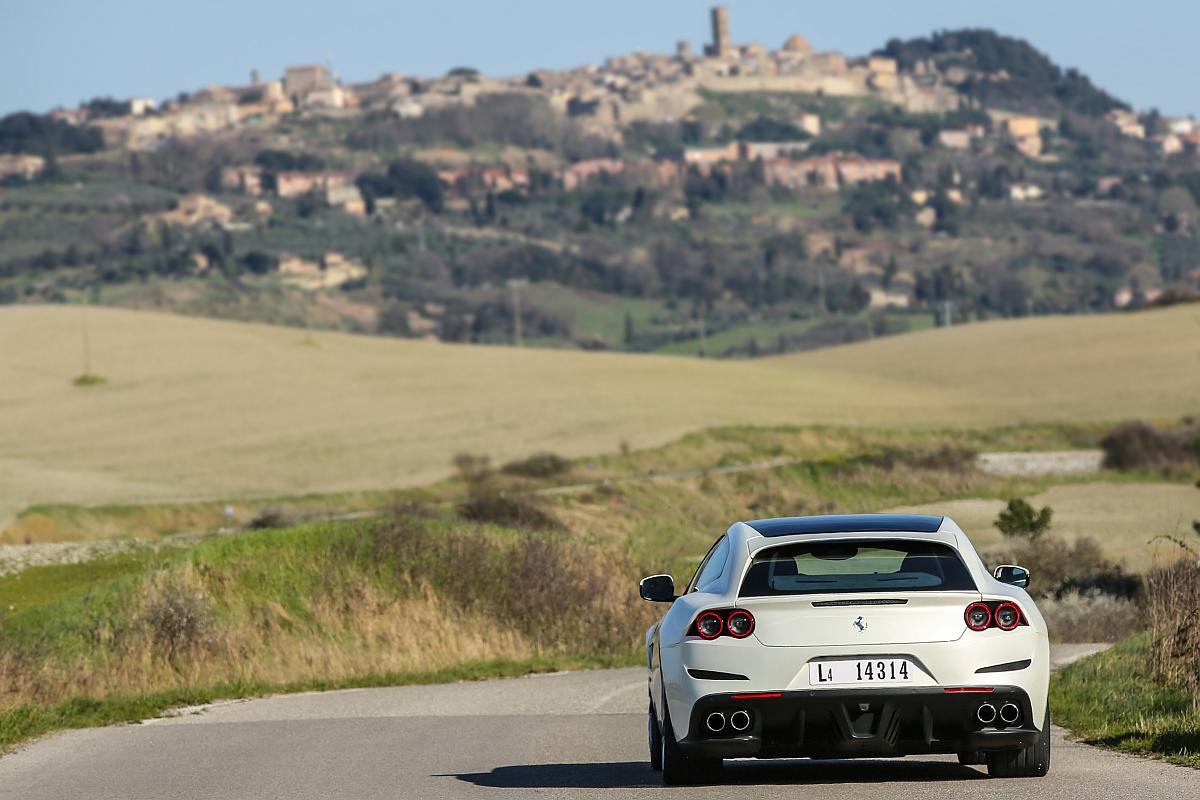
<point x="1020" y="521"/>
<point x="415" y="179"/>
<point x="629" y="334"/>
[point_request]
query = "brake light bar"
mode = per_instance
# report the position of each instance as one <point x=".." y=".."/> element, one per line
<point x="759" y="696"/>
<point x="967" y="689"/>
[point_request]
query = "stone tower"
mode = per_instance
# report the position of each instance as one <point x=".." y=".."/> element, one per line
<point x="720" y="32"/>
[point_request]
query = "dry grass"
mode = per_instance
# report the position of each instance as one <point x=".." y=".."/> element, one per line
<point x="196" y="408"/>
<point x="1123" y="517"/>
<point x="1173" y="608"/>
<point x="1077" y="617"/>
<point x="328" y="603"/>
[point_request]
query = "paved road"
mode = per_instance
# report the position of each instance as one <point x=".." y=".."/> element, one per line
<point x="577" y="735"/>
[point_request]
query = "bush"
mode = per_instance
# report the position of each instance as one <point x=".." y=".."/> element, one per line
<point x="563" y="595"/>
<point x="271" y="517"/>
<point x="1136" y="445"/>
<point x="1058" y="569"/>
<point x="1090" y="617"/>
<point x="1020" y="521"/>
<point x="486" y="500"/>
<point x="1173" y="611"/>
<point x="539" y="465"/>
<point x="177" y="618"/>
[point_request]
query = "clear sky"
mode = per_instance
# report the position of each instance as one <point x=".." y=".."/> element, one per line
<point x="60" y="52"/>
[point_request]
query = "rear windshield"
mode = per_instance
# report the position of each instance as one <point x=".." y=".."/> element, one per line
<point x="856" y="566"/>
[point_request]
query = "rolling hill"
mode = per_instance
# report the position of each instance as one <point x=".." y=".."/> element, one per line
<point x="195" y="408"/>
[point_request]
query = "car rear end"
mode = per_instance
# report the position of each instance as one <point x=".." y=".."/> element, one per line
<point x="859" y="644"/>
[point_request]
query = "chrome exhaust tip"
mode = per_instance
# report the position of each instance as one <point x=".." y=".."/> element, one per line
<point x="1010" y="713"/>
<point x="715" y="722"/>
<point x="739" y="720"/>
<point x="986" y="713"/>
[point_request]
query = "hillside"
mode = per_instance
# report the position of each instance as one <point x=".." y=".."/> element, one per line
<point x="750" y="199"/>
<point x="195" y="408"/>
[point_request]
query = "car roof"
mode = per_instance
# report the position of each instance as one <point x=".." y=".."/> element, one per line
<point x="848" y="523"/>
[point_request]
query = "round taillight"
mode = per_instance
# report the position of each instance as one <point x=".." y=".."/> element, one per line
<point x="1008" y="616"/>
<point x="740" y="624"/>
<point x="979" y="616"/>
<point x="709" y="625"/>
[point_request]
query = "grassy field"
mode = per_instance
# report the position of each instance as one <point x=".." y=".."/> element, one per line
<point x="203" y="409"/>
<point x="1108" y="700"/>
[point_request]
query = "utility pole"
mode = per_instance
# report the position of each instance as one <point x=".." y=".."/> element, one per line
<point x="821" y="288"/>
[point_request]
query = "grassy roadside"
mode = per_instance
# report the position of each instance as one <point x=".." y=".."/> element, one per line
<point x="366" y="602"/>
<point x="1109" y="700"/>
<point x="31" y="721"/>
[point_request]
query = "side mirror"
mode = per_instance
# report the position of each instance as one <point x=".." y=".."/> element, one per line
<point x="1012" y="575"/>
<point x="657" y="589"/>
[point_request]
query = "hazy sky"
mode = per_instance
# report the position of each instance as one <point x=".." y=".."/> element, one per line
<point x="59" y="52"/>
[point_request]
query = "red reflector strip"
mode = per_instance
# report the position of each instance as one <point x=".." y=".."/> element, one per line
<point x="966" y="689"/>
<point x="762" y="696"/>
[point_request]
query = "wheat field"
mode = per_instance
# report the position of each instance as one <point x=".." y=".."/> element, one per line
<point x="197" y="408"/>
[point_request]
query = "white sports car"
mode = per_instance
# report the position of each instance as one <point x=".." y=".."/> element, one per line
<point x="847" y="636"/>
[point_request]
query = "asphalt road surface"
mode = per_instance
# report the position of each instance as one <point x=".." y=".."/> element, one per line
<point x="577" y="735"/>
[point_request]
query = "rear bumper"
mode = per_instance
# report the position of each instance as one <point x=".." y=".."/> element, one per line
<point x="849" y="723"/>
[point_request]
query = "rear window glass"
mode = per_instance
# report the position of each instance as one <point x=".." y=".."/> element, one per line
<point x="856" y="566"/>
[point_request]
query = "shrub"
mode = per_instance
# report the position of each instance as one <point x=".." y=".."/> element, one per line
<point x="271" y="517"/>
<point x="1173" y="611"/>
<point x="1058" y="568"/>
<point x="1090" y="617"/>
<point x="486" y="500"/>
<point x="1020" y="521"/>
<point x="1136" y="445"/>
<point x="177" y="617"/>
<point x="562" y="595"/>
<point x="539" y="465"/>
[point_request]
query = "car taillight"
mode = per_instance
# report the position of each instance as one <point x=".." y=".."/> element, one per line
<point x="735" y="622"/>
<point x="740" y="624"/>
<point x="709" y="625"/>
<point x="1003" y="614"/>
<point x="1008" y="616"/>
<point x="979" y="616"/>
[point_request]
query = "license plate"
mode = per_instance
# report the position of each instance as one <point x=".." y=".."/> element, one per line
<point x="883" y="670"/>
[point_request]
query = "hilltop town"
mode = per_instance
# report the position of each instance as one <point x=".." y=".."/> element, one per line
<point x="730" y="200"/>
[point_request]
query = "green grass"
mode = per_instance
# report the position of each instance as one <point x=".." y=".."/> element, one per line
<point x="27" y="722"/>
<point x="1109" y="700"/>
<point x="54" y="583"/>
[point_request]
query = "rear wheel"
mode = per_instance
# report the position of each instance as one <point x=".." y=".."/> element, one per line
<point x="1030" y="762"/>
<point x="678" y="769"/>
<point x="654" y="737"/>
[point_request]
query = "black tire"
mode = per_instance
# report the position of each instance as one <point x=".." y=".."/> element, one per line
<point x="1030" y="762"/>
<point x="654" y="736"/>
<point x="680" y="770"/>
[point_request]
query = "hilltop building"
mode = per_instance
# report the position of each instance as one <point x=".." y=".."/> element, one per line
<point x="720" y="46"/>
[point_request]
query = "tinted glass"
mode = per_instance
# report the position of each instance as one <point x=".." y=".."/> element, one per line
<point x="850" y="566"/>
<point x="713" y="566"/>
